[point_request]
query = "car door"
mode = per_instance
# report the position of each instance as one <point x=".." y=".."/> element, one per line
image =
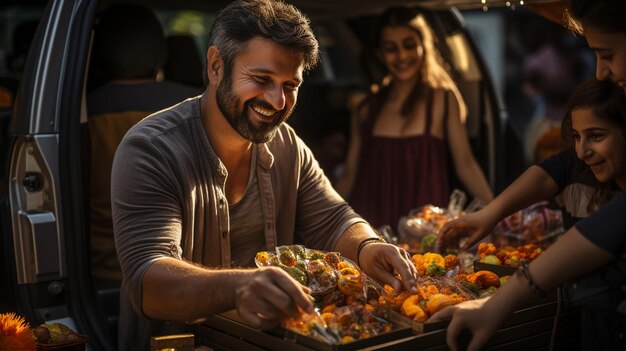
<point x="43" y="256"/>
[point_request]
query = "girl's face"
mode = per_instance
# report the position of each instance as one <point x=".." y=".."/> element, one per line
<point x="610" y="49"/>
<point x="402" y="52"/>
<point x="600" y="145"/>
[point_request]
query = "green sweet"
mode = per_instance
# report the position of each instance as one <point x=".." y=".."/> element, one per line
<point x="435" y="270"/>
<point x="474" y="288"/>
<point x="297" y="274"/>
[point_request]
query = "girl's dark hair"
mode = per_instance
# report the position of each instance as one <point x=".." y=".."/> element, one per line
<point x="604" y="14"/>
<point x="432" y="73"/>
<point x="607" y="101"/>
<point x="604" y="98"/>
<point x="275" y="20"/>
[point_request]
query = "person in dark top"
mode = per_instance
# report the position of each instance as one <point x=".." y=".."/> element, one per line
<point x="129" y="50"/>
<point x="402" y="133"/>
<point x="594" y="243"/>
<point x="581" y="178"/>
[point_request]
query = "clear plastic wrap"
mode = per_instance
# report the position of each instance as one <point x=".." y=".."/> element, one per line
<point x="345" y="298"/>
<point x="318" y="270"/>
<point x="536" y="224"/>
<point x="417" y="232"/>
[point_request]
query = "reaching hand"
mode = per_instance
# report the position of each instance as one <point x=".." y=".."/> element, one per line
<point x="269" y="296"/>
<point x="473" y="315"/>
<point x="475" y="226"/>
<point x="384" y="262"/>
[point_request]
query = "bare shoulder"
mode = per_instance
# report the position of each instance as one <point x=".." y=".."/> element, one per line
<point x="359" y="104"/>
<point x="456" y="105"/>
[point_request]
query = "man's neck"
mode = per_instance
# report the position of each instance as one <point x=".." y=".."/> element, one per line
<point x="233" y="150"/>
<point x="226" y="142"/>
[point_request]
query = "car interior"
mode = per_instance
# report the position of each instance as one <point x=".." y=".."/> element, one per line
<point x="322" y="119"/>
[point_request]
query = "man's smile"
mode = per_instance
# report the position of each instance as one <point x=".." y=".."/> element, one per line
<point x="263" y="112"/>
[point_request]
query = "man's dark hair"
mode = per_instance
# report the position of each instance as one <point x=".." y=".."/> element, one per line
<point x="275" y="20"/>
<point x="605" y="14"/>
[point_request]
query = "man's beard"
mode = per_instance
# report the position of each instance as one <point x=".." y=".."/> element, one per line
<point x="229" y="104"/>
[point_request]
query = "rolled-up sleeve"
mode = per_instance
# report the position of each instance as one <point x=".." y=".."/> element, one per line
<point x="147" y="217"/>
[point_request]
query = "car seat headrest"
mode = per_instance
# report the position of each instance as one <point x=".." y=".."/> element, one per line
<point x="184" y="64"/>
<point x="129" y="42"/>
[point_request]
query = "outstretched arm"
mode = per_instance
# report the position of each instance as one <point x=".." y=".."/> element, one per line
<point x="571" y="257"/>
<point x="532" y="186"/>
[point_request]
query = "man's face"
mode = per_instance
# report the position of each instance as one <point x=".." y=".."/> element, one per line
<point x="261" y="91"/>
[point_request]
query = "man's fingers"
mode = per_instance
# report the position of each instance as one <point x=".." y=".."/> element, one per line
<point x="384" y="260"/>
<point x="271" y="307"/>
<point x="412" y="267"/>
<point x="406" y="269"/>
<point x="295" y="291"/>
<point x="256" y="320"/>
<point x="392" y="280"/>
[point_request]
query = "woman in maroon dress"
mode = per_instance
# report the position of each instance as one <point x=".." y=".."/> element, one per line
<point x="402" y="132"/>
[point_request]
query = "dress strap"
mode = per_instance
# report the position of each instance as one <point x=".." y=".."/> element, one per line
<point x="446" y="97"/>
<point x="429" y="111"/>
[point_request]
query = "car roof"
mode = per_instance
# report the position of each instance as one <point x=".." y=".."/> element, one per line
<point x="323" y="9"/>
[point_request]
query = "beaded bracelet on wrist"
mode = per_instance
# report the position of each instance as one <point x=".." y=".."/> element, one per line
<point x="363" y="244"/>
<point x="524" y="272"/>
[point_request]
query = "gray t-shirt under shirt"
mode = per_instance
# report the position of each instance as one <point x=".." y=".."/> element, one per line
<point x="246" y="237"/>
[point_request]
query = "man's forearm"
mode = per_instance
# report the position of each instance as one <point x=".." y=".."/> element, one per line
<point x="177" y="290"/>
<point x="349" y="241"/>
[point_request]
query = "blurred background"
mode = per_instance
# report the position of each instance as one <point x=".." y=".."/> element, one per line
<point x="534" y="65"/>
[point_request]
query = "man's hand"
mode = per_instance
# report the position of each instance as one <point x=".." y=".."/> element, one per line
<point x="269" y="296"/>
<point x="384" y="262"/>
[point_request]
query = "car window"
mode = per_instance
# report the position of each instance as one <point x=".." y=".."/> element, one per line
<point x="17" y="28"/>
<point x="186" y="22"/>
